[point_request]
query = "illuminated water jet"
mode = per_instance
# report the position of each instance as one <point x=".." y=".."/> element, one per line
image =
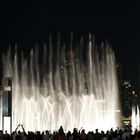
<point x="72" y="86"/>
<point x="135" y="118"/>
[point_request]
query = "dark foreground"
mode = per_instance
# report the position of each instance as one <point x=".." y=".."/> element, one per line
<point x="111" y="134"/>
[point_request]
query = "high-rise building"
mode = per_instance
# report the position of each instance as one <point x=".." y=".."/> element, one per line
<point x="128" y="96"/>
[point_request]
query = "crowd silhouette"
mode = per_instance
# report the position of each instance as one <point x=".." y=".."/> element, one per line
<point x="117" y="134"/>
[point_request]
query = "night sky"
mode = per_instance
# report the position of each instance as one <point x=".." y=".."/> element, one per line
<point x="28" y="23"/>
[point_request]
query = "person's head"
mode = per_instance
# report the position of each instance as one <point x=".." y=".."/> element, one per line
<point x="69" y="133"/>
<point x="102" y="132"/>
<point x="83" y="131"/>
<point x="47" y="132"/>
<point x="1" y="132"/>
<point x="5" y="131"/>
<point x="96" y="130"/>
<point x="61" y="129"/>
<point x="75" y="130"/>
<point x="19" y="132"/>
<point x="107" y="132"/>
<point x="38" y="132"/>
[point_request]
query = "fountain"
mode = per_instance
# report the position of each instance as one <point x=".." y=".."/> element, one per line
<point x="69" y="85"/>
<point x="135" y="118"/>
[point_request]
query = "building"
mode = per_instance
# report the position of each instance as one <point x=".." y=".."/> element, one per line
<point x="128" y="97"/>
<point x="6" y="105"/>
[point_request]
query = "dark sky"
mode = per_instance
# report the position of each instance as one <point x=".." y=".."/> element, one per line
<point x="28" y="23"/>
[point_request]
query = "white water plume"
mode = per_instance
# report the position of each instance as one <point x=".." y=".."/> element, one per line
<point x="69" y="85"/>
<point x="135" y="118"/>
